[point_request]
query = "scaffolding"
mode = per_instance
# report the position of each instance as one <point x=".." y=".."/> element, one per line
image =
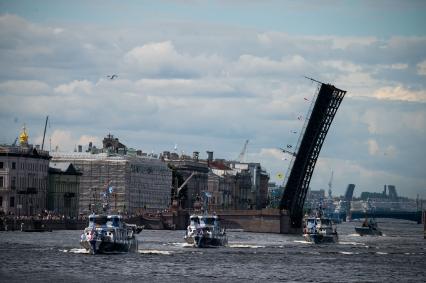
<point x="138" y="182"/>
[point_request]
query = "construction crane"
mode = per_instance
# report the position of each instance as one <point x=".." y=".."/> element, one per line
<point x="184" y="183"/>
<point x="330" y="184"/>
<point x="241" y="157"/>
<point x="44" y="134"/>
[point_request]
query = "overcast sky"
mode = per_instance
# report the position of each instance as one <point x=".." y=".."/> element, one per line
<point x="207" y="75"/>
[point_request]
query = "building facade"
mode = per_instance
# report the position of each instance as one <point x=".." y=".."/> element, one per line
<point x="23" y="178"/>
<point x="137" y="182"/>
<point x="63" y="192"/>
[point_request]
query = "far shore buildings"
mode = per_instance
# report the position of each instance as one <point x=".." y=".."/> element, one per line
<point x="63" y="193"/>
<point x="23" y="178"/>
<point x="138" y="182"/>
<point x="230" y="184"/>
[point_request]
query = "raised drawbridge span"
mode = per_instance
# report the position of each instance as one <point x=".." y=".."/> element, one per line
<point x="320" y="116"/>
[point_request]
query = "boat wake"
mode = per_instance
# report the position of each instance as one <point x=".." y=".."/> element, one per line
<point x="245" y="246"/>
<point x="75" y="251"/>
<point x="180" y="245"/>
<point x="302" y="242"/>
<point x="348" y="253"/>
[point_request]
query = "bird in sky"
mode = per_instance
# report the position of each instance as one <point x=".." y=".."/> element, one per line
<point x="111" y="77"/>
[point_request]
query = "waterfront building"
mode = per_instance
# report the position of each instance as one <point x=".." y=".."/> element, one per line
<point x="23" y="178"/>
<point x="63" y="192"/>
<point x="192" y="170"/>
<point x="138" y="182"/>
<point x="252" y="182"/>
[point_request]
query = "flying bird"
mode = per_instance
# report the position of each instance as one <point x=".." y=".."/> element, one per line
<point x="111" y="77"/>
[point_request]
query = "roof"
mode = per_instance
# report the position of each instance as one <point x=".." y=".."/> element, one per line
<point x="63" y="168"/>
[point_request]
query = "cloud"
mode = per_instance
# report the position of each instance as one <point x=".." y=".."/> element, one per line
<point x="373" y="147"/>
<point x="399" y="92"/>
<point x="421" y="68"/>
<point x="162" y="59"/>
<point x="75" y="87"/>
<point x="24" y="87"/>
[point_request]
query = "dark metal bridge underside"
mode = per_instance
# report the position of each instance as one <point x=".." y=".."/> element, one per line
<point x="322" y="112"/>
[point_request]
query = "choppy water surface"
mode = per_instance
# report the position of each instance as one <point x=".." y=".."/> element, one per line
<point x="399" y="255"/>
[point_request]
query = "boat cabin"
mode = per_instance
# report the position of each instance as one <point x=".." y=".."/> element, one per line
<point x="105" y="220"/>
<point x="202" y="220"/>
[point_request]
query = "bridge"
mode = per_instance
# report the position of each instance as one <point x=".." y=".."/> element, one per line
<point x="404" y="215"/>
<point x="311" y="139"/>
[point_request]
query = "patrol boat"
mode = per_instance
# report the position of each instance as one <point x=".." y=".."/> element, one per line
<point x="319" y="229"/>
<point x="204" y="230"/>
<point x="108" y="233"/>
<point x="369" y="227"/>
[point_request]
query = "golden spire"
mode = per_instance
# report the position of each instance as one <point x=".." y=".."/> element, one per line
<point x="23" y="137"/>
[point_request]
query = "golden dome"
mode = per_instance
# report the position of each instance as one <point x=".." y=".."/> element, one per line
<point x="23" y="137"/>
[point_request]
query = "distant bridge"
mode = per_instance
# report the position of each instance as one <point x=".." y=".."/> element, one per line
<point x="405" y="215"/>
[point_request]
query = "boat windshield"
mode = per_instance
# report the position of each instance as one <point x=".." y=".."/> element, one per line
<point x="209" y="220"/>
<point x="114" y="222"/>
<point x="98" y="220"/>
<point x="195" y="220"/>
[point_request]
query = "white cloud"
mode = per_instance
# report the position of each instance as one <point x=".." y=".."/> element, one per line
<point x="344" y="66"/>
<point x="373" y="147"/>
<point x="24" y="87"/>
<point x="161" y="58"/>
<point x="75" y="87"/>
<point x="257" y="66"/>
<point x="421" y="68"/>
<point x="400" y="93"/>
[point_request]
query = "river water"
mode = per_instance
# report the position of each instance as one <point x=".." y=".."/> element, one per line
<point x="398" y="256"/>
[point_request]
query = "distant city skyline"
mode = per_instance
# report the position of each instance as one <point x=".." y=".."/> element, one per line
<point x="208" y="75"/>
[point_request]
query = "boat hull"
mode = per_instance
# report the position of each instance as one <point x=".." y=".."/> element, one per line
<point x="205" y="242"/>
<point x="321" y="238"/>
<point x="363" y="231"/>
<point x="104" y="247"/>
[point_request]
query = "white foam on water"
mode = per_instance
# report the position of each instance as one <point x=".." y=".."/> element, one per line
<point x="245" y="246"/>
<point x="77" y="251"/>
<point x="354" y="235"/>
<point x="381" y="253"/>
<point x="157" y="252"/>
<point x="302" y="242"/>
<point x="180" y="244"/>
<point x="348" y="253"/>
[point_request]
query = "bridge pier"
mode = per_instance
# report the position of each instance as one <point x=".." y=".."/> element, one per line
<point x="259" y="221"/>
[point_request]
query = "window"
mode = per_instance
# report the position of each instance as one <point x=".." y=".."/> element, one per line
<point x="1" y="181"/>
<point x="12" y="202"/>
<point x="13" y="165"/>
<point x="13" y="183"/>
<point x="1" y="165"/>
